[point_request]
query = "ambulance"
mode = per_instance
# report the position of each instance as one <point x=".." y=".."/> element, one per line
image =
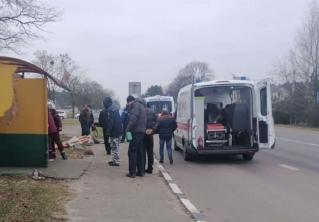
<point x="158" y="103"/>
<point x="224" y="117"/>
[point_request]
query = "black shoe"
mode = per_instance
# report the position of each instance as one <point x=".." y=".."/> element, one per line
<point x="150" y="171"/>
<point x="171" y="160"/>
<point x="161" y="161"/>
<point x="130" y="175"/>
<point x="64" y="156"/>
<point x="108" y="152"/>
<point x="140" y="174"/>
<point x="111" y="163"/>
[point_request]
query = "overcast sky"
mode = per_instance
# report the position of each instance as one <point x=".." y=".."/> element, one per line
<point x="118" y="41"/>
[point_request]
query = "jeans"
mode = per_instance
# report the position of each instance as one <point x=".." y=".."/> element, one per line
<point x="86" y="129"/>
<point x="135" y="154"/>
<point x="168" y="147"/>
<point x="149" y="151"/>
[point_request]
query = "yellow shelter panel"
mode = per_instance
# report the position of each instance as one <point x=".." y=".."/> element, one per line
<point x="32" y="116"/>
<point x="6" y="87"/>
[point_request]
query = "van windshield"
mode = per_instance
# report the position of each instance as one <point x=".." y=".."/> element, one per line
<point x="158" y="106"/>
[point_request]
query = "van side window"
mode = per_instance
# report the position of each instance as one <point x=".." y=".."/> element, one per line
<point x="263" y="101"/>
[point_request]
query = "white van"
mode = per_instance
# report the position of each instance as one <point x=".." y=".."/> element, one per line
<point x="158" y="103"/>
<point x="224" y="117"/>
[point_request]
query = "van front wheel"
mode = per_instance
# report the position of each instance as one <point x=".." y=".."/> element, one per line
<point x="248" y="156"/>
<point x="176" y="148"/>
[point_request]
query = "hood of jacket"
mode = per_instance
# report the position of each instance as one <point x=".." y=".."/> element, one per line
<point x="107" y="102"/>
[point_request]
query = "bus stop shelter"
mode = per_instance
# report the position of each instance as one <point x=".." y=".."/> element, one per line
<point x="23" y="113"/>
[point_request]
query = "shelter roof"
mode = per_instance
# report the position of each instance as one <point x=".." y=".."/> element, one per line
<point x="26" y="67"/>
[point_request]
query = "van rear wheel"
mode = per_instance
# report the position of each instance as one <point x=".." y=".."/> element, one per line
<point x="248" y="156"/>
<point x="186" y="154"/>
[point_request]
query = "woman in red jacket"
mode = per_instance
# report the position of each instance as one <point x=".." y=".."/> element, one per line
<point x="54" y="127"/>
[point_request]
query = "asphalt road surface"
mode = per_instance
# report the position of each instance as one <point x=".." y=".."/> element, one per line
<point x="276" y="186"/>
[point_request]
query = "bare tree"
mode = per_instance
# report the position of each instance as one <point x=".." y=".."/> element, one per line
<point x="307" y="49"/>
<point x="22" y="21"/>
<point x="193" y="72"/>
<point x="299" y="72"/>
<point x="61" y="67"/>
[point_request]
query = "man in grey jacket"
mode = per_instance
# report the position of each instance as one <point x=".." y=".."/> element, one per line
<point x="137" y="126"/>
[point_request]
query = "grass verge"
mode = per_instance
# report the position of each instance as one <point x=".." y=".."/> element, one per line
<point x="71" y="122"/>
<point x="298" y="127"/>
<point x="24" y="199"/>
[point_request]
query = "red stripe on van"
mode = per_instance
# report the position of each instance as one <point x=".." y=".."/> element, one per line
<point x="183" y="126"/>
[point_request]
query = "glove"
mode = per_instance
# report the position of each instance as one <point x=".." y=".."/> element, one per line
<point x="129" y="137"/>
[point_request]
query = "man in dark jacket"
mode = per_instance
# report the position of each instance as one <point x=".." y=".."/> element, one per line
<point x="165" y="127"/>
<point x="111" y="123"/>
<point x="148" y="139"/>
<point x="85" y="120"/>
<point x="137" y="126"/>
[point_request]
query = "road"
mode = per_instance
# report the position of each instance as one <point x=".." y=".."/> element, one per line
<point x="277" y="185"/>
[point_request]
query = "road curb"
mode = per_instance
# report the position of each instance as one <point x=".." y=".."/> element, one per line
<point x="189" y="206"/>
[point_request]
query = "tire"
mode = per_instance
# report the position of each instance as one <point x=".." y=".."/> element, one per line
<point x="187" y="155"/>
<point x="176" y="148"/>
<point x="248" y="156"/>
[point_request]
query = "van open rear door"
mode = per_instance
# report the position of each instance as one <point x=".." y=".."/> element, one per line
<point x="266" y="131"/>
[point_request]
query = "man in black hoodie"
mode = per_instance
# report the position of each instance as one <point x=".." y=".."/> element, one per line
<point x="137" y="126"/>
<point x="111" y="122"/>
<point x="148" y="138"/>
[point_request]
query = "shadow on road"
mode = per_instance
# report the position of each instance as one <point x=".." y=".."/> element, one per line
<point x="219" y="159"/>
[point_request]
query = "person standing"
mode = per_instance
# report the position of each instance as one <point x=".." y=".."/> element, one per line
<point x="124" y="118"/>
<point x="85" y="120"/>
<point x="54" y="127"/>
<point x="111" y="123"/>
<point x="136" y="126"/>
<point x="165" y="127"/>
<point x="148" y="139"/>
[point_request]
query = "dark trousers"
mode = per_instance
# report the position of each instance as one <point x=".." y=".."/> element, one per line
<point x="149" y="151"/>
<point x="86" y="128"/>
<point x="54" y="138"/>
<point x="106" y="142"/>
<point x="135" y="154"/>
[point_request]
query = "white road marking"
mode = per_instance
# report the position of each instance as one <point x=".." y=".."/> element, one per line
<point x="167" y="176"/>
<point x="289" y="167"/>
<point x="160" y="167"/>
<point x="296" y="141"/>
<point x="189" y="206"/>
<point x="175" y="188"/>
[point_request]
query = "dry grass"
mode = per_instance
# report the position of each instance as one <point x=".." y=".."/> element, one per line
<point x="78" y="153"/>
<point x="71" y="122"/>
<point x="23" y="199"/>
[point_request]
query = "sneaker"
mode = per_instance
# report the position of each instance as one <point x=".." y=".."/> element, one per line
<point x="130" y="175"/>
<point x="171" y="160"/>
<point x="51" y="159"/>
<point x="111" y="163"/>
<point x="64" y="156"/>
<point x="108" y="152"/>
